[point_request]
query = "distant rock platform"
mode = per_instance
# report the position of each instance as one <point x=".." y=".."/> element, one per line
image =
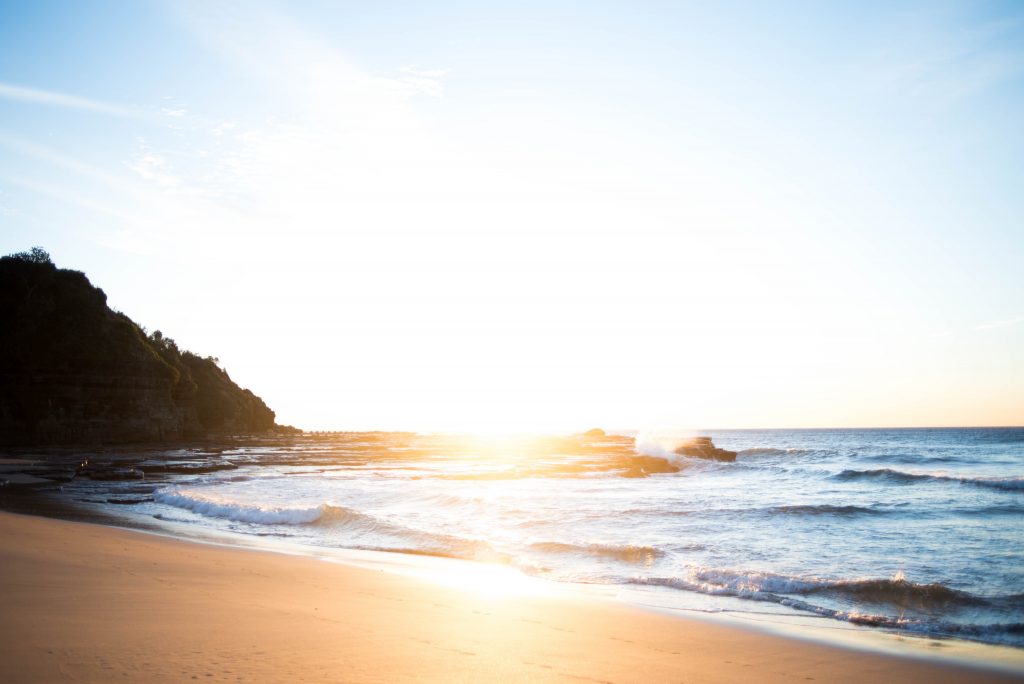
<point x="703" y="447"/>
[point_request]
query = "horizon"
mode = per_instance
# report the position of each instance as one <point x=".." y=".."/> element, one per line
<point x="544" y="218"/>
<point x="673" y="432"/>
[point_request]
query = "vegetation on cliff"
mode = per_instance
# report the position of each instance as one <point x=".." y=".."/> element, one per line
<point x="72" y="370"/>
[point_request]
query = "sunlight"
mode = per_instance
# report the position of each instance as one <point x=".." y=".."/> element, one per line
<point x="482" y="580"/>
<point x="678" y="304"/>
<point x="409" y="244"/>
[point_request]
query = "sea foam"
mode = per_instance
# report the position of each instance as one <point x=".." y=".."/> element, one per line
<point x="212" y="506"/>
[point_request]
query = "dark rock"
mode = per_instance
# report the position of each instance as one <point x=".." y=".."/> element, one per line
<point x="642" y="466"/>
<point x="702" y="447"/>
<point x="186" y="468"/>
<point x="112" y="471"/>
<point x="72" y="371"/>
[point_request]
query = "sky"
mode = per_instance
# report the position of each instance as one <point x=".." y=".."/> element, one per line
<point x="542" y="216"/>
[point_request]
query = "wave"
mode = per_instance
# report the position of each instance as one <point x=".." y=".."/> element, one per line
<point x="794" y="509"/>
<point x="994" y="633"/>
<point x="899" y="603"/>
<point x="895" y="591"/>
<point x="215" y="507"/>
<point x="911" y="459"/>
<point x="826" y="509"/>
<point x="898" y="591"/>
<point x="627" y="553"/>
<point x="887" y="474"/>
<point x="1008" y="484"/>
<point x="323" y="515"/>
<point x="1009" y="509"/>
<point x="653" y="445"/>
<point x="362" y="531"/>
<point x="772" y="451"/>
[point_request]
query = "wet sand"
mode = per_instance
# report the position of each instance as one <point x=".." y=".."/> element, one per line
<point x="83" y="602"/>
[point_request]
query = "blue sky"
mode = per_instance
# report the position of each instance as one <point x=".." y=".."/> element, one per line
<point x="543" y="216"/>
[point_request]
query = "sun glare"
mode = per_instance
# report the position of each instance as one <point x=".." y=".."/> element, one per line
<point x="482" y="580"/>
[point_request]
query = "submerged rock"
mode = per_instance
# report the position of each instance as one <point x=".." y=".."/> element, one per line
<point x="703" y="447"/>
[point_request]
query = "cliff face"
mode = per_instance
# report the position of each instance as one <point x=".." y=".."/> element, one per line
<point x="74" y="371"/>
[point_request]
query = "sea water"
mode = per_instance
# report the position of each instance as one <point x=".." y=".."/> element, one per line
<point x="919" y="530"/>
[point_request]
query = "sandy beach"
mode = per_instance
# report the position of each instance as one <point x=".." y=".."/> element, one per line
<point x="83" y="602"/>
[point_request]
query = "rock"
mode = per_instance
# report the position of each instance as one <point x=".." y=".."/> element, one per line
<point x="112" y="471"/>
<point x="74" y="371"/>
<point x="703" y="447"/>
<point x="24" y="479"/>
<point x="642" y="466"/>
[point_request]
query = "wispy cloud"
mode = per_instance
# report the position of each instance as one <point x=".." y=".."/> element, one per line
<point x="63" y="194"/>
<point x="426" y="81"/>
<point x="1002" y="323"/>
<point x="152" y="167"/>
<point x="49" y="97"/>
<point x="424" y="73"/>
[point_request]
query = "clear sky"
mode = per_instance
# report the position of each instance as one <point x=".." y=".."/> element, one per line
<point x="551" y="215"/>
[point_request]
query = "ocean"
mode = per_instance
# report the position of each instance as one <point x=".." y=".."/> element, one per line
<point x="915" y="530"/>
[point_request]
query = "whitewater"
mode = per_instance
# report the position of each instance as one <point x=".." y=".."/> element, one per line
<point x="915" y="530"/>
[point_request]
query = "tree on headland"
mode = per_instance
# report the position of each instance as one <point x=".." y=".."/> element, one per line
<point x="36" y="255"/>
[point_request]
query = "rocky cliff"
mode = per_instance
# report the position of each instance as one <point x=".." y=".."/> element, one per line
<point x="74" y="371"/>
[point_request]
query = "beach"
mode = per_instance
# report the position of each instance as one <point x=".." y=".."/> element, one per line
<point x="896" y="532"/>
<point x="84" y="602"/>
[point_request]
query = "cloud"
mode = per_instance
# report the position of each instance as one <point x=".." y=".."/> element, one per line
<point x="23" y="94"/>
<point x="425" y="81"/>
<point x="1002" y="323"/>
<point x="224" y="127"/>
<point x="152" y="167"/>
<point x="425" y="73"/>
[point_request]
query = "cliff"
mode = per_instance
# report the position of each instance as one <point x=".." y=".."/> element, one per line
<point x="74" y="371"/>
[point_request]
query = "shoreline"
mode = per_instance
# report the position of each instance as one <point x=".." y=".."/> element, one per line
<point x="36" y="496"/>
<point x="99" y="603"/>
<point x="731" y="612"/>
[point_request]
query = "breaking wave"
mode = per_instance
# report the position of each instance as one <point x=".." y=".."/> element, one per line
<point x="1008" y="484"/>
<point x="653" y="444"/>
<point x="215" y="507"/>
<point x="896" y="591"/>
<point x="363" y="531"/>
<point x="627" y="553"/>
<point x="922" y="600"/>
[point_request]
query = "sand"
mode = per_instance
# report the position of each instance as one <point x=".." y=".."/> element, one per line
<point x="87" y="603"/>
